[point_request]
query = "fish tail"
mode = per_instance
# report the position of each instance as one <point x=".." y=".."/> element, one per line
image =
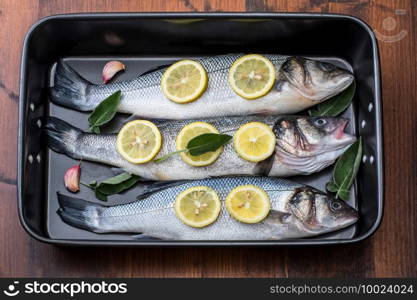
<point x="80" y="213"/>
<point x="70" y="88"/>
<point x="62" y="137"/>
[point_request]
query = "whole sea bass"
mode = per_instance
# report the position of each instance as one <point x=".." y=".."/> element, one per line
<point x="297" y="211"/>
<point x="304" y="145"/>
<point x="300" y="84"/>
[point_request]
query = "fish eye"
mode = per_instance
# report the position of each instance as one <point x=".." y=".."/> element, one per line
<point x="326" y="67"/>
<point x="320" y="122"/>
<point x="335" y="205"/>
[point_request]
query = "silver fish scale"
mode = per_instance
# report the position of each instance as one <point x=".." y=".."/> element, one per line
<point x="155" y="215"/>
<point x="102" y="148"/>
<point x="221" y="64"/>
<point x="228" y="162"/>
<point x="143" y="95"/>
<point x="224" y="62"/>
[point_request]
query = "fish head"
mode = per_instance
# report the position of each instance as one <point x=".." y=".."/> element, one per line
<point x="315" y="80"/>
<point x="305" y="136"/>
<point x="310" y="143"/>
<point x="333" y="213"/>
<point x="318" y="212"/>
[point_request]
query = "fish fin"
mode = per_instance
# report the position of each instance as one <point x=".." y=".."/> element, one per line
<point x="277" y="217"/>
<point x="142" y="236"/>
<point x="117" y="171"/>
<point x="61" y="136"/>
<point x="132" y="117"/>
<point x="263" y="168"/>
<point x="280" y="82"/>
<point x="155" y="69"/>
<point x="79" y="213"/>
<point x="158" y="186"/>
<point x="69" y="88"/>
<point x="234" y="176"/>
<point x="161" y="121"/>
<point x="157" y="122"/>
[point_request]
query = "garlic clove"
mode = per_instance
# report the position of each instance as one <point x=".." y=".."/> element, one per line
<point x="110" y="69"/>
<point x="72" y="178"/>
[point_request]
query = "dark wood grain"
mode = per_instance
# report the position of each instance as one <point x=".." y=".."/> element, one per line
<point x="391" y="252"/>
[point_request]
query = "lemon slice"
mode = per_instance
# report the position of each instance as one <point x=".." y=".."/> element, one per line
<point x="252" y="76"/>
<point x="184" y="81"/>
<point x="248" y="203"/>
<point x="139" y="141"/>
<point x="189" y="132"/>
<point x="198" y="206"/>
<point x="254" y="141"/>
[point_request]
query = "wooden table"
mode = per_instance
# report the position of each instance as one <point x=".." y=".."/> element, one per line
<point x="391" y="252"/>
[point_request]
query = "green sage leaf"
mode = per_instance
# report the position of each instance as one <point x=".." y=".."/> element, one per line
<point x="207" y="142"/>
<point x="166" y="156"/>
<point x="335" y="105"/>
<point x="343" y="194"/>
<point x="100" y="196"/>
<point x="93" y="183"/>
<point x="111" y="189"/>
<point x="113" y="185"/>
<point x="200" y="144"/>
<point x="95" y="130"/>
<point x="104" y="112"/>
<point x="345" y="171"/>
<point x="331" y="187"/>
<point x="117" y="179"/>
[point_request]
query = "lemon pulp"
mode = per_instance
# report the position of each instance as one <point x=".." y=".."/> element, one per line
<point x="248" y="203"/>
<point x="139" y="141"/>
<point x="198" y="206"/>
<point x="254" y="141"/>
<point x="184" y="81"/>
<point x="252" y="76"/>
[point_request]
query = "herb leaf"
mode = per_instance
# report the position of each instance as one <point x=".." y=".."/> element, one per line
<point x="104" y="112"/>
<point x="113" y="185"/>
<point x="331" y="187"/>
<point x="166" y="156"/>
<point x="201" y="144"/>
<point x="207" y="142"/>
<point x="111" y="189"/>
<point x="117" y="179"/>
<point x="100" y="196"/>
<point x="93" y="183"/>
<point x="335" y="105"/>
<point x="345" y="171"/>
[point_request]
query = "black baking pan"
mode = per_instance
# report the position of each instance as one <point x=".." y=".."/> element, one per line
<point x="146" y="40"/>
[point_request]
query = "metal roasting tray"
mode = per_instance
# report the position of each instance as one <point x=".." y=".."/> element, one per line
<point x="146" y="40"/>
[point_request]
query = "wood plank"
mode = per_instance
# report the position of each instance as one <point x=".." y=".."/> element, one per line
<point x="48" y="7"/>
<point x="396" y="242"/>
<point x="9" y="79"/>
